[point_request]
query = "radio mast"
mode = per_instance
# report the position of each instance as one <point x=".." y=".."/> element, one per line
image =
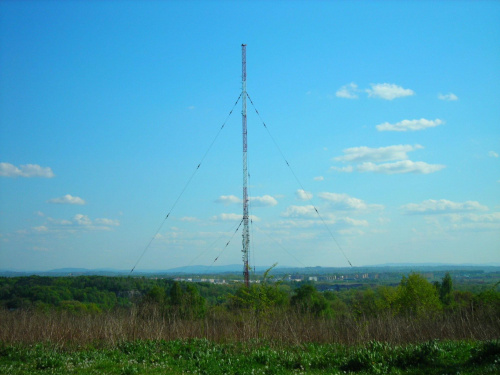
<point x="246" y="234"/>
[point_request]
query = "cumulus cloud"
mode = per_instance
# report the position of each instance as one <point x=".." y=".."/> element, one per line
<point x="403" y="166"/>
<point x="371" y="160"/>
<point x="228" y="217"/>
<point x="27" y="170"/>
<point x="189" y="219"/>
<point x="107" y="222"/>
<point x="357" y="154"/>
<point x="347" y="169"/>
<point x="83" y="222"/>
<point x="228" y="199"/>
<point x="233" y="217"/>
<point x="388" y="91"/>
<point x="492" y="154"/>
<point x="67" y="199"/>
<point x="300" y="212"/>
<point x="81" y="219"/>
<point x="475" y="222"/>
<point x="493" y="217"/>
<point x="303" y="195"/>
<point x="346" y="202"/>
<point x="319" y="178"/>
<point x="442" y="206"/>
<point x="348" y="91"/>
<point x="456" y="216"/>
<point x="78" y="223"/>
<point x="264" y="201"/>
<point x="59" y="221"/>
<point x="354" y="222"/>
<point x="448" y="97"/>
<point x="409" y="125"/>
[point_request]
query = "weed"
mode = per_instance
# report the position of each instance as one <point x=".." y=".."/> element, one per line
<point x="489" y="351"/>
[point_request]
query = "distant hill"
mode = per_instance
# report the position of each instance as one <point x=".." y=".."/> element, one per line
<point x="237" y="269"/>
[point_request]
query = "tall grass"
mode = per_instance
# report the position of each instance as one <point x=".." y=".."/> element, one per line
<point x="219" y="325"/>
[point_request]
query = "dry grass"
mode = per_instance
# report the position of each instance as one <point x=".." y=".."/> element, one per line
<point x="223" y="326"/>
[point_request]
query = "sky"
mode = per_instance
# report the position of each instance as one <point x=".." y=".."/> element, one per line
<point x="382" y="116"/>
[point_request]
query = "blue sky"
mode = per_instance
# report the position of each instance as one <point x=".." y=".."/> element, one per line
<point x="387" y="113"/>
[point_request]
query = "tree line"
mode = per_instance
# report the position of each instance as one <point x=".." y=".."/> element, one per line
<point x="414" y="295"/>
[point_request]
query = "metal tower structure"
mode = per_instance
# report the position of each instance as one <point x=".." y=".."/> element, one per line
<point x="246" y="233"/>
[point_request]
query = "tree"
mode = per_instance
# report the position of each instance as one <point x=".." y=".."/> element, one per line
<point x="416" y="296"/>
<point x="156" y="295"/>
<point x="309" y="301"/>
<point x="193" y="305"/>
<point x="176" y="294"/>
<point x="261" y="300"/>
<point x="446" y="289"/>
<point x="260" y="297"/>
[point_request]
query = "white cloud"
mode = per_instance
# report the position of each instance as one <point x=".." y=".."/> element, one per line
<point x="107" y="222"/>
<point x="78" y="223"/>
<point x="397" y="152"/>
<point x="409" y="125"/>
<point x="354" y="232"/>
<point x="228" y="217"/>
<point x="228" y="199"/>
<point x="303" y="195"/>
<point x="28" y="170"/>
<point x="388" y="91"/>
<point x="354" y="222"/>
<point x="319" y="178"/>
<point x="442" y="206"/>
<point x="264" y="201"/>
<point x="448" y="97"/>
<point x="348" y="91"/>
<point x="82" y="220"/>
<point x="345" y="202"/>
<point x="300" y="212"/>
<point x="67" y="199"/>
<point x="347" y="169"/>
<point x="403" y="166"/>
<point x="493" y="217"/>
<point x="492" y="154"/>
<point x="233" y="217"/>
<point x="59" y="221"/>
<point x="189" y="219"/>
<point x="475" y="222"/>
<point x="460" y="217"/>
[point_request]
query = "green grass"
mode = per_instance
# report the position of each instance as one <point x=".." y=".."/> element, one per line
<point x="200" y="356"/>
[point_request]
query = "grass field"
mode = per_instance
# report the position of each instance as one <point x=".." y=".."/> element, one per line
<point x="252" y="333"/>
<point x="200" y="356"/>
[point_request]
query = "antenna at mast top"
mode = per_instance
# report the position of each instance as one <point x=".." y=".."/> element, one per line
<point x="244" y="65"/>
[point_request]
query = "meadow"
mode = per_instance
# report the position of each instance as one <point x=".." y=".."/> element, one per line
<point x="166" y="327"/>
<point x="201" y="356"/>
